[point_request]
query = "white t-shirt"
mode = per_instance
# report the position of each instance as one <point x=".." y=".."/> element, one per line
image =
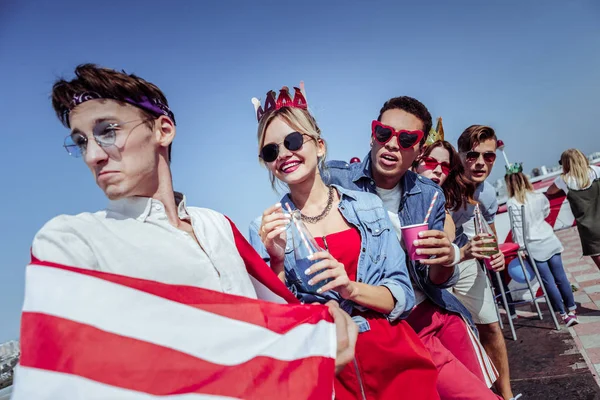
<point x="560" y="183"/>
<point x="391" y="201"/>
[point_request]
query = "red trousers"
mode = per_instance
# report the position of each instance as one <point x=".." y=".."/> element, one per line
<point x="446" y="336"/>
<point x="391" y="363"/>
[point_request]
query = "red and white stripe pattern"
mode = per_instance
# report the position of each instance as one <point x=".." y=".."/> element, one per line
<point x="488" y="370"/>
<point x="93" y="335"/>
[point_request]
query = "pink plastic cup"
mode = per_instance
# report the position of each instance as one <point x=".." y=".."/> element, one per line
<point x="409" y="235"/>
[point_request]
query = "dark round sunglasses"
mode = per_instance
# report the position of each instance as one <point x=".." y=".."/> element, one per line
<point x="406" y="139"/>
<point x="488" y="156"/>
<point x="292" y="142"/>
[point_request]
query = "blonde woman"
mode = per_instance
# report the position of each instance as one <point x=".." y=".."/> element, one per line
<point x="581" y="183"/>
<point x="364" y="261"/>
<point x="543" y="244"/>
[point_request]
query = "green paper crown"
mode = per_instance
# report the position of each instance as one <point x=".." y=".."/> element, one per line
<point x="514" y="168"/>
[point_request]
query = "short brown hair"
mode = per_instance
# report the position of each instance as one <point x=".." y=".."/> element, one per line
<point x="411" y="106"/>
<point x="474" y="135"/>
<point x="109" y="84"/>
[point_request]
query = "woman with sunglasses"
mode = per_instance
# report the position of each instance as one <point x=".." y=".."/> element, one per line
<point x="441" y="163"/>
<point x="580" y="181"/>
<point x="545" y="247"/>
<point x="363" y="259"/>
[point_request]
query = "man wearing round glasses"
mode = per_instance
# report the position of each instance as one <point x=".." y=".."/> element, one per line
<point x="477" y="148"/>
<point x="122" y="128"/>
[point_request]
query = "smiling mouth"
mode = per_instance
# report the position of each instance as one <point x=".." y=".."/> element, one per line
<point x="289" y="165"/>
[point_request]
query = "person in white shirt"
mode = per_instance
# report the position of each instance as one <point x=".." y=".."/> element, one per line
<point x="581" y="183"/>
<point x="543" y="244"/>
<point x="122" y="127"/>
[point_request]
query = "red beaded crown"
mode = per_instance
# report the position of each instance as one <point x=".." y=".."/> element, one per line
<point x="284" y="99"/>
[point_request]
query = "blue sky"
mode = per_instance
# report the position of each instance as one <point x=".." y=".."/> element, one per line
<point x="529" y="69"/>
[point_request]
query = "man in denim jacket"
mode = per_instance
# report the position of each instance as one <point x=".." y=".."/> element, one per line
<point x="397" y="137"/>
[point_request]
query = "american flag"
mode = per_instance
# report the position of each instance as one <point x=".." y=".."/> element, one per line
<point x="93" y="335"/>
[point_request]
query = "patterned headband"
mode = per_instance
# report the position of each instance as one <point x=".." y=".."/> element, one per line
<point x="152" y="105"/>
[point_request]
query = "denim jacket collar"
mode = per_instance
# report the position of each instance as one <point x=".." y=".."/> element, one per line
<point x="408" y="181"/>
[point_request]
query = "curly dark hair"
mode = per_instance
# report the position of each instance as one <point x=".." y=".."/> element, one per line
<point x="411" y="106"/>
<point x="109" y="84"/>
<point x="457" y="189"/>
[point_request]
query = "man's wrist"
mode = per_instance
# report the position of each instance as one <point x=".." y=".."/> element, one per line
<point x="457" y="256"/>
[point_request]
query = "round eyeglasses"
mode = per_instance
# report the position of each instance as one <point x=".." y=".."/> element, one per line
<point x="105" y="135"/>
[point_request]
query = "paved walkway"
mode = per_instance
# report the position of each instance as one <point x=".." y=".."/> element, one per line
<point x="584" y="274"/>
<point x="565" y="364"/>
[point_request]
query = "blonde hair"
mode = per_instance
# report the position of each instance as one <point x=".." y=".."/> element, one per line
<point x="298" y="119"/>
<point x="575" y="166"/>
<point x="518" y="186"/>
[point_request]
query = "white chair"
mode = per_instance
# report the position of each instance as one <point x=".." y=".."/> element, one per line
<point x="517" y="222"/>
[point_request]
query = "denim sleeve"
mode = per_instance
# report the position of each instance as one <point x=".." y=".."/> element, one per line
<point x="438" y="217"/>
<point x="453" y="280"/>
<point x="255" y="240"/>
<point x="396" y="278"/>
<point x="438" y="214"/>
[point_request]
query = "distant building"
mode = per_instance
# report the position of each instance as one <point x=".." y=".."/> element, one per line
<point x="9" y="358"/>
<point x="9" y="349"/>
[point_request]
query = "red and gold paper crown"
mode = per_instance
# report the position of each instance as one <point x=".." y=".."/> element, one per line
<point x="437" y="133"/>
<point x="283" y="100"/>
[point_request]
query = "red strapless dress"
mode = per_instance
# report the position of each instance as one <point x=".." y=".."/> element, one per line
<point x="391" y="362"/>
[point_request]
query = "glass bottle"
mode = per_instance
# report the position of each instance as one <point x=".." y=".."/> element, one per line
<point x="305" y="246"/>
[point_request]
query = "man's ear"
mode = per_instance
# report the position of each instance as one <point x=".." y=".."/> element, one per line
<point x="165" y="131"/>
